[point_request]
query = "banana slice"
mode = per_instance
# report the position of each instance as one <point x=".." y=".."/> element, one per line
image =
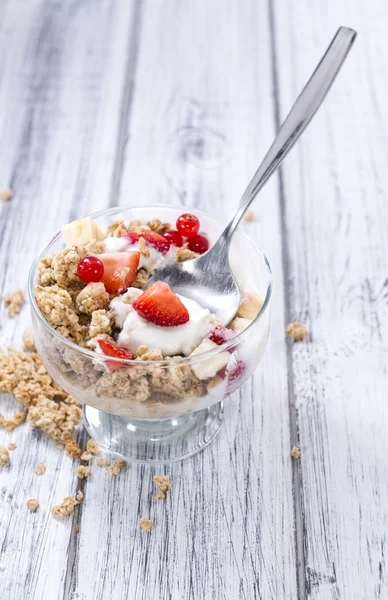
<point x="238" y="324"/>
<point x="209" y="367"/>
<point x="250" y="306"/>
<point x="79" y="233"/>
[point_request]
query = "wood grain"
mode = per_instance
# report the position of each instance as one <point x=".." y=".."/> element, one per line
<point x="61" y="89"/>
<point x="195" y="135"/>
<point x="335" y="221"/>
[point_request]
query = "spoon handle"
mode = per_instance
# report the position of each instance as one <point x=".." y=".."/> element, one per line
<point x="298" y="118"/>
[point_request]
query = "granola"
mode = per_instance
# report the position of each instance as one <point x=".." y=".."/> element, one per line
<point x="295" y="452"/>
<point x="102" y="462"/>
<point x="14" y="302"/>
<point x="49" y="407"/>
<point x="297" y="331"/>
<point x="83" y="471"/>
<point x="28" y="339"/>
<point x="33" y="504"/>
<point x="40" y="468"/>
<point x="117" y="466"/>
<point x="6" y="194"/>
<point x="163" y="484"/>
<point x="4" y="456"/>
<point x="86" y="456"/>
<point x="12" y="446"/>
<point x="145" y="523"/>
<point x="72" y="449"/>
<point x="158" y="226"/>
<point x="92" y="447"/>
<point x="250" y="216"/>
<point x="67" y="506"/>
<point x="9" y="424"/>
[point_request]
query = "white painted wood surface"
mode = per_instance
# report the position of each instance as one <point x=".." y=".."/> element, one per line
<point x="145" y="102"/>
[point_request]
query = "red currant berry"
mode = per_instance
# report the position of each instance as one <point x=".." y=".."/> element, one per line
<point x="198" y="243"/>
<point x="187" y="225"/>
<point x="90" y="269"/>
<point x="174" y="237"/>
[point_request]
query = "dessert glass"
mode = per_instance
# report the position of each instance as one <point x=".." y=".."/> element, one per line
<point x="157" y="411"/>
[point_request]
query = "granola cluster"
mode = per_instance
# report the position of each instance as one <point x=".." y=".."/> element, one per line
<point x="48" y="406"/>
<point x="14" y="302"/>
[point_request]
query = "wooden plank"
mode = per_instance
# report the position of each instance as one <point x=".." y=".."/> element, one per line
<point x="61" y="89"/>
<point x="201" y="119"/>
<point x="335" y="220"/>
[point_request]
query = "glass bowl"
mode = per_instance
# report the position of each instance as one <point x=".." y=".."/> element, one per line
<point x="163" y="410"/>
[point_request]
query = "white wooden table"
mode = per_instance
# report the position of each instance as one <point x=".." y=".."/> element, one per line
<point x="108" y="103"/>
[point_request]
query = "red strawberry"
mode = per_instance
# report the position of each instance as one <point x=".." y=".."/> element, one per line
<point x="220" y="334"/>
<point x="161" y="306"/>
<point x="116" y="352"/>
<point x="236" y="372"/>
<point x="151" y="238"/>
<point x="119" y="270"/>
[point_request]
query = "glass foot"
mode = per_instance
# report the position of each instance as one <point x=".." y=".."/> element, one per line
<point x="154" y="441"/>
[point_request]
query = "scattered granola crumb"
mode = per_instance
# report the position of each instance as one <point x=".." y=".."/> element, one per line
<point x="83" y="471"/>
<point x="60" y="446"/>
<point x="86" y="456"/>
<point x="33" y="504"/>
<point x="72" y="449"/>
<point x="158" y="226"/>
<point x="295" y="452"/>
<point x="92" y="447"/>
<point x="14" y="302"/>
<point x="250" y="216"/>
<point x="297" y="331"/>
<point x="28" y="339"/>
<point x="145" y="524"/>
<point x="40" y="468"/>
<point x="10" y="424"/>
<point x="11" y="446"/>
<point x="117" y="466"/>
<point x="67" y="506"/>
<point x="102" y="462"/>
<point x="163" y="484"/>
<point x="184" y="253"/>
<point x="4" y="456"/>
<point x="76" y="527"/>
<point x="6" y="194"/>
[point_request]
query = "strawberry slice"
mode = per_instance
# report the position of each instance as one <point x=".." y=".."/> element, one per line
<point x="236" y="372"/>
<point x="119" y="270"/>
<point x="116" y="352"/>
<point x="151" y="238"/>
<point x="161" y="306"/>
<point x="232" y="374"/>
<point x="220" y="334"/>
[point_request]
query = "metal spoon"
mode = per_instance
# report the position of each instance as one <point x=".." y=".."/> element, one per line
<point x="208" y="279"/>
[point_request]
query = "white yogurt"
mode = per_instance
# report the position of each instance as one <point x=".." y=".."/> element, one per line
<point x="120" y="307"/>
<point x="116" y="244"/>
<point x="156" y="259"/>
<point x="181" y="339"/>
